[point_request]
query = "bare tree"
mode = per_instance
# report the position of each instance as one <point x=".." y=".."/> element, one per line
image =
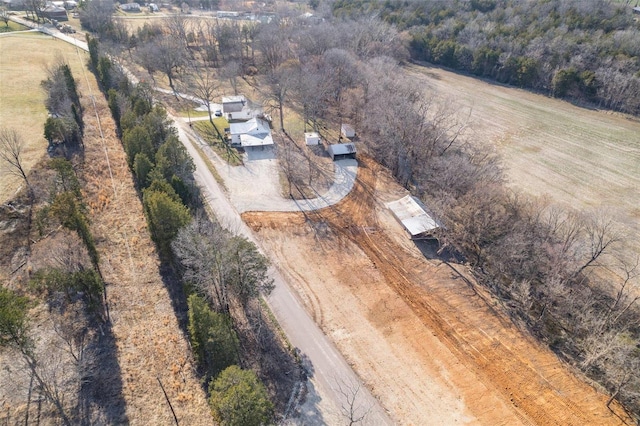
<point x="11" y="148"/>
<point x="231" y="71"/>
<point x="601" y="235"/>
<point x="352" y="408"/>
<point x="206" y="86"/>
<point x="4" y="15"/>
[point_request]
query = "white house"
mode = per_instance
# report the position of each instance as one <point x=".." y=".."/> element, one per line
<point x="238" y="108"/>
<point x="347" y="131"/>
<point x="252" y="133"/>
<point x="311" y="138"/>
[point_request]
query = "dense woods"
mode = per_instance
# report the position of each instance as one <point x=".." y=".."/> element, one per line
<point x="586" y="51"/>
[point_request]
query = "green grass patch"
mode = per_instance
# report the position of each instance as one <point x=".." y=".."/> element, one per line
<point x="193" y="114"/>
<point x="210" y="136"/>
<point x="12" y="26"/>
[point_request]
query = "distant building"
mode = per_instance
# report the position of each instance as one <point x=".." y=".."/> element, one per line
<point x="636" y="9"/>
<point x="347" y="131"/>
<point x="55" y="12"/>
<point x="130" y="7"/>
<point x="312" y="138"/>
<point x="342" y="151"/>
<point x="14" y="4"/>
<point x="224" y="14"/>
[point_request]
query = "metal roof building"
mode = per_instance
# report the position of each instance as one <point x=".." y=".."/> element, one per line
<point x="341" y="151"/>
<point x="413" y="216"/>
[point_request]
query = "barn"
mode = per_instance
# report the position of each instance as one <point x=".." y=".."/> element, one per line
<point x="342" y="151"/>
<point x="413" y="216"/>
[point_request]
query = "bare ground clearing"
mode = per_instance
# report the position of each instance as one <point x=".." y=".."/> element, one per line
<point x="21" y="98"/>
<point x="428" y="342"/>
<point x="580" y="157"/>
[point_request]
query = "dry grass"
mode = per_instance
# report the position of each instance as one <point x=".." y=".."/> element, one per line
<point x="21" y="98"/>
<point x="149" y="342"/>
<point x="576" y="156"/>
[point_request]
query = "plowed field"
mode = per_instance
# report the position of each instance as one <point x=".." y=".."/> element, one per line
<point x="431" y="344"/>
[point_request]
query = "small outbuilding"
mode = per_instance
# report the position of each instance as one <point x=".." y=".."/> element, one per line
<point x="342" y="151"/>
<point x="413" y="216"/>
<point x="312" y="138"/>
<point x="636" y="10"/>
<point x="347" y="131"/>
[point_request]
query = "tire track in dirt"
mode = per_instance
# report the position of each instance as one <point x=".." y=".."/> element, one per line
<point x="493" y="363"/>
<point x="529" y="378"/>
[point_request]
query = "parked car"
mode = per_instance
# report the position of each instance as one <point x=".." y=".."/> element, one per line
<point x="218" y="113"/>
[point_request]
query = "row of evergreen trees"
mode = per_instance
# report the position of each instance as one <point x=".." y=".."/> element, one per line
<point x="163" y="172"/>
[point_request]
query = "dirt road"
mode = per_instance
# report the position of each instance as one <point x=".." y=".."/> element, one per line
<point x="432" y="346"/>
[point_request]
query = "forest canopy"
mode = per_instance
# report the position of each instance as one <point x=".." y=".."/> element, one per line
<point x="579" y="50"/>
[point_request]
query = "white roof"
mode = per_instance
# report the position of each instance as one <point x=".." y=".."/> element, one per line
<point x="412" y="216"/>
<point x="254" y="126"/>
<point x="233" y="99"/>
<point x="309" y="135"/>
<point x="342" y="148"/>
<point x="262" y="139"/>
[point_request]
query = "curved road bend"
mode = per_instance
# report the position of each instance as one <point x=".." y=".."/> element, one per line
<point x="327" y="363"/>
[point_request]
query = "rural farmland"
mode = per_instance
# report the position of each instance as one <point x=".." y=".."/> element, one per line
<point x="576" y="156"/>
<point x="21" y="98"/>
<point x="181" y="266"/>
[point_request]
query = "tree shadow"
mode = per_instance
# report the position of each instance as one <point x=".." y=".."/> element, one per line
<point x="305" y="408"/>
<point x="432" y="250"/>
<point x="100" y="399"/>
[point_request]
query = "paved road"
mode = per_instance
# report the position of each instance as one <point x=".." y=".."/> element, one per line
<point x="323" y="360"/>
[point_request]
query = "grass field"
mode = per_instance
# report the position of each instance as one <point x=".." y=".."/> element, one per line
<point x="25" y="57"/>
<point x="583" y="158"/>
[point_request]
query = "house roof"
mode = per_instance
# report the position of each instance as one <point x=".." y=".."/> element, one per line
<point x="412" y="215"/>
<point x="342" y="149"/>
<point x="254" y="126"/>
<point x="233" y="99"/>
<point x="309" y="135"/>
<point x="261" y="139"/>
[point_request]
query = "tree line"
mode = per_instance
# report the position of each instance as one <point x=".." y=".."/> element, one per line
<point x="68" y="280"/>
<point x="581" y="51"/>
<point x="222" y="274"/>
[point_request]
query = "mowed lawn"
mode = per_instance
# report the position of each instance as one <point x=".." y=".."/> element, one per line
<point x="579" y="157"/>
<point x="25" y="58"/>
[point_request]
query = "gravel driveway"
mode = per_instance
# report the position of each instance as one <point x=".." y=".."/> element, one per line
<point x="255" y="185"/>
